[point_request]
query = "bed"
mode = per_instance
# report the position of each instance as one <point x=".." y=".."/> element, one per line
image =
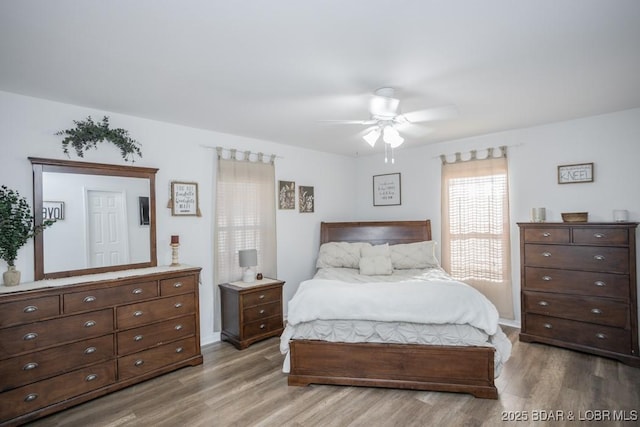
<point x="341" y="345"/>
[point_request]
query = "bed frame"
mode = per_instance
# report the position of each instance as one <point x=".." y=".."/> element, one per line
<point x="405" y="366"/>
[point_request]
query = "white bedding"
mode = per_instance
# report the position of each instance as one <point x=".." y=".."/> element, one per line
<point x="409" y="306"/>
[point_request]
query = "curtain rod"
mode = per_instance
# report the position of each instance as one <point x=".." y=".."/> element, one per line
<point x="247" y="153"/>
<point x="474" y="154"/>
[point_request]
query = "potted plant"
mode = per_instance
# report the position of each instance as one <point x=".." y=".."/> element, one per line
<point x="16" y="227"/>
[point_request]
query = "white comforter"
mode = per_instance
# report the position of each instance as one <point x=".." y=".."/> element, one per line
<point x="415" y="301"/>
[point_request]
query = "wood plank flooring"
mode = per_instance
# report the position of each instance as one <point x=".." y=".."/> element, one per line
<point x="247" y="388"/>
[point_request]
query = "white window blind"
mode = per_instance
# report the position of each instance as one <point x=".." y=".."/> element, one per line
<point x="475" y="232"/>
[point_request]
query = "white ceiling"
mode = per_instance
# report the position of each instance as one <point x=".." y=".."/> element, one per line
<point x="275" y="69"/>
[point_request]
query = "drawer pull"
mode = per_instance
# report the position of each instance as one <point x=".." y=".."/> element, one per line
<point x="178" y="305"/>
<point x="89" y="323"/>
<point x="177" y="285"/>
<point x="600" y="283"/>
<point x="137" y="313"/>
<point x="546" y="254"/>
<point x="179" y="350"/>
<point x="178" y="327"/>
<point x="261" y="311"/>
<point x="31" y="397"/>
<point x="30" y="336"/>
<point x="30" y="366"/>
<point x="543" y="303"/>
<point x="90" y="350"/>
<point x="30" y="309"/>
<point x="90" y="298"/>
<point x="261" y="296"/>
<point x="601" y="336"/>
<point x="138" y="338"/>
<point x="596" y="311"/>
<point x="91" y="377"/>
<point x="263" y="326"/>
<point x="548" y="326"/>
<point x="136" y="291"/>
<point x="546" y="234"/>
<point x="598" y="257"/>
<point x="139" y="362"/>
<point x="546" y="278"/>
<point x="598" y="235"/>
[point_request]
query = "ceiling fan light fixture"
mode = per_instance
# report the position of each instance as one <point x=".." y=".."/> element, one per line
<point x="372" y="137"/>
<point x="391" y="136"/>
<point x="382" y="106"/>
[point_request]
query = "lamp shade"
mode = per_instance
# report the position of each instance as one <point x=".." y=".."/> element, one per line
<point x="372" y="137"/>
<point x="248" y="257"/>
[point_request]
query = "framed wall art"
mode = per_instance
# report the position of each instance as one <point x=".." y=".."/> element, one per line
<point x="386" y="190"/>
<point x="286" y="195"/>
<point x="184" y="199"/>
<point x="306" y="199"/>
<point x="572" y="174"/>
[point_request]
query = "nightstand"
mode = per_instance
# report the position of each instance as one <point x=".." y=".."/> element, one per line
<point x="251" y="311"/>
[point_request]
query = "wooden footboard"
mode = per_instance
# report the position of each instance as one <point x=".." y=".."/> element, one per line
<point x="406" y="366"/>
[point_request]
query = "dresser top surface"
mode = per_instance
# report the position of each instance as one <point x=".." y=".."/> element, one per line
<point x="91" y="278"/>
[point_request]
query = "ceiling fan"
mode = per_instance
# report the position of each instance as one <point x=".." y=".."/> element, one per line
<point x="386" y="119"/>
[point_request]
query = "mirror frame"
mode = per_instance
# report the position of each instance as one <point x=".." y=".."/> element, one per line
<point x="40" y="165"/>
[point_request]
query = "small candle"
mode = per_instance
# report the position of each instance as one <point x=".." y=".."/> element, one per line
<point x="175" y="239"/>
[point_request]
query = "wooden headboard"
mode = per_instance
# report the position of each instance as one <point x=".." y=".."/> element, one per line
<point x="376" y="232"/>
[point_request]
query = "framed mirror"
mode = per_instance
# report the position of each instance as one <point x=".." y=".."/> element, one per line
<point x="105" y="217"/>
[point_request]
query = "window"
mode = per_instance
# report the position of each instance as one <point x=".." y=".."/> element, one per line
<point x="245" y="216"/>
<point x="475" y="227"/>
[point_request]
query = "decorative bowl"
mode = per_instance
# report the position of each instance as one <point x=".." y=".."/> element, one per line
<point x="575" y="216"/>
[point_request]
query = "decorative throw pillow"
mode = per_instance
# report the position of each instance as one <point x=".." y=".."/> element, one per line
<point x="340" y="254"/>
<point x="414" y="255"/>
<point x="376" y="265"/>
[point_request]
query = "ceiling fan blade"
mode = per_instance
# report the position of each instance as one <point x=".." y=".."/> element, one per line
<point x="414" y="130"/>
<point x="350" y="122"/>
<point x="437" y="113"/>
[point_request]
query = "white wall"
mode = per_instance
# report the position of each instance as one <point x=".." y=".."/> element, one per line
<point x="611" y="142"/>
<point x="28" y="127"/>
<point x="343" y="186"/>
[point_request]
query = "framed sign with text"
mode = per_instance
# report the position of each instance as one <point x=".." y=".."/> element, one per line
<point x="570" y="174"/>
<point x="184" y="198"/>
<point x="386" y="190"/>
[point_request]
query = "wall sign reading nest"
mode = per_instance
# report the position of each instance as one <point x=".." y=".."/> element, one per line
<point x="571" y="174"/>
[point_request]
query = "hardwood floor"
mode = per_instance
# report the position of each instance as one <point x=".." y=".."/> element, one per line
<point x="247" y="388"/>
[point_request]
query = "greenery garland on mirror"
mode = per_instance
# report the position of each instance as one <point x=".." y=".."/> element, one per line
<point x="88" y="133"/>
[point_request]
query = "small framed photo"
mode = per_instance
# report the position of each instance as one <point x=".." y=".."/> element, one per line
<point x="306" y="199"/>
<point x="184" y="198"/>
<point x="286" y="195"/>
<point x="572" y="174"/>
<point x="386" y="190"/>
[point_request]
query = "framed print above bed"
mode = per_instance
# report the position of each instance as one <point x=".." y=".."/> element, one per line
<point x="386" y="190"/>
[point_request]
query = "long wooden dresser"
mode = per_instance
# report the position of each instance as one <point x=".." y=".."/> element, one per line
<point x="66" y="341"/>
<point x="579" y="290"/>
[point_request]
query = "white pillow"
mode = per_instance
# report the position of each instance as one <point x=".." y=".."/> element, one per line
<point x="375" y="265"/>
<point x="376" y="250"/>
<point x="414" y="255"/>
<point x="340" y="254"/>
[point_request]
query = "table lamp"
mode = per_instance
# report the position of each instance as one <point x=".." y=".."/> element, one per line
<point x="248" y="259"/>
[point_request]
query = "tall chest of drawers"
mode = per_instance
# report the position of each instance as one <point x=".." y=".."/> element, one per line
<point x="579" y="287"/>
<point x="64" y="345"/>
